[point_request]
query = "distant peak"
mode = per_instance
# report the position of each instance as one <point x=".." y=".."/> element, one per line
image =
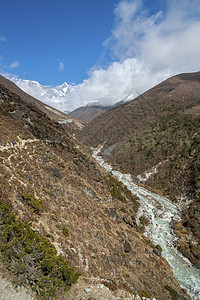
<point x="64" y="84"/>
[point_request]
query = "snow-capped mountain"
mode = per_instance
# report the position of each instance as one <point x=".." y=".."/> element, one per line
<point x="54" y="96"/>
<point x="67" y="98"/>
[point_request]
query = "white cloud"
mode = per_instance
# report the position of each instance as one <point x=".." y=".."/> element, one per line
<point x="119" y="81"/>
<point x="147" y="49"/>
<point x="61" y="66"/>
<point x="13" y="65"/>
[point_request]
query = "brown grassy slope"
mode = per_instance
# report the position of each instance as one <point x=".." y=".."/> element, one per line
<point x="52" y="182"/>
<point x="158" y="126"/>
<point x="159" y="129"/>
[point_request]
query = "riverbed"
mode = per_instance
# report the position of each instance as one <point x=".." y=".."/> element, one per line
<point x="160" y="211"/>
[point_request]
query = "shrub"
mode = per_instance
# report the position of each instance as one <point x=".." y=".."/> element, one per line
<point x="32" y="258"/>
<point x="159" y="248"/>
<point x="144" y="221"/>
<point x="144" y="294"/>
<point x="173" y="293"/>
<point x="34" y="203"/>
<point x="65" y="231"/>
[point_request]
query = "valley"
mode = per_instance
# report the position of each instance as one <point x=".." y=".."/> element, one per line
<point x="160" y="212"/>
<point x="60" y="208"/>
<point x="155" y="138"/>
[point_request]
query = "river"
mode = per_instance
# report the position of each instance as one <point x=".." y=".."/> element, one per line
<point x="160" y="212"/>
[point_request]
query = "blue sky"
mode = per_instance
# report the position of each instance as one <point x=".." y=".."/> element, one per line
<point x="57" y="41"/>
<point x="110" y="49"/>
<point x="53" y="41"/>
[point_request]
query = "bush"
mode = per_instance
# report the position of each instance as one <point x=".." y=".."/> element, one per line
<point x="173" y="293"/>
<point x="144" y="221"/>
<point x="144" y="294"/>
<point x="159" y="248"/>
<point x="34" y="203"/>
<point x="32" y="258"/>
<point x="65" y="231"/>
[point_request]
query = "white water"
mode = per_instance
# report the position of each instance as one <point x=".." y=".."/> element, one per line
<point x="160" y="212"/>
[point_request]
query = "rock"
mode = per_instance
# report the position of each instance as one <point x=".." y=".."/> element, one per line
<point x="42" y="159"/>
<point x="157" y="252"/>
<point x="109" y="260"/>
<point x="54" y="172"/>
<point x="91" y="193"/>
<point x="127" y="247"/>
<point x="28" y="178"/>
<point x="112" y="213"/>
<point x="20" y="197"/>
<point x="87" y="290"/>
<point x="128" y="221"/>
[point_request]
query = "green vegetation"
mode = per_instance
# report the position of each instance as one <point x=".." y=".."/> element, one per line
<point x="120" y="191"/>
<point x="4" y="112"/>
<point x="123" y="210"/>
<point x="34" y="203"/>
<point x="116" y="188"/>
<point x="65" y="231"/>
<point x="107" y="226"/>
<point x="173" y="293"/>
<point x="159" y="248"/>
<point x="32" y="258"/>
<point x="144" y="221"/>
<point x="144" y="294"/>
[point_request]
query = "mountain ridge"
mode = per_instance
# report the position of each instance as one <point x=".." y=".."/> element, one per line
<point x="88" y="112"/>
<point x="156" y="137"/>
<point x="49" y="181"/>
<point x="50" y="111"/>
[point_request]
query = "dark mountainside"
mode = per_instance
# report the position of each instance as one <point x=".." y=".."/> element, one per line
<point x="48" y="110"/>
<point x="156" y="137"/>
<point x="58" y="205"/>
<point x="88" y="112"/>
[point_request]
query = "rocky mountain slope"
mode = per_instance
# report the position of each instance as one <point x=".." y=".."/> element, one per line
<point x="156" y="137"/>
<point x="48" y="110"/>
<point x="55" y="96"/>
<point x="88" y="112"/>
<point x="58" y="205"/>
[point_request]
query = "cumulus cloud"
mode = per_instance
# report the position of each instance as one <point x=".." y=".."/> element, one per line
<point x="165" y="40"/>
<point x="120" y="81"/>
<point x="14" y="65"/>
<point x="61" y="66"/>
<point x="147" y="49"/>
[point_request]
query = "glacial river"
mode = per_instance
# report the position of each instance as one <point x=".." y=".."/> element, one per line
<point x="160" y="212"/>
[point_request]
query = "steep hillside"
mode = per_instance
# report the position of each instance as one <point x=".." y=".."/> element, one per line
<point x="156" y="137"/>
<point x="50" y="111"/>
<point x="88" y="112"/>
<point x="57" y="204"/>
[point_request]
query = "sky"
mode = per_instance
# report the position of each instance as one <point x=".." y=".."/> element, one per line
<point x="109" y="50"/>
<point x="53" y="41"/>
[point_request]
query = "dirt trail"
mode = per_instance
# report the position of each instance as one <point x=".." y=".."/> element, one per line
<point x="18" y="144"/>
<point x="8" y="292"/>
